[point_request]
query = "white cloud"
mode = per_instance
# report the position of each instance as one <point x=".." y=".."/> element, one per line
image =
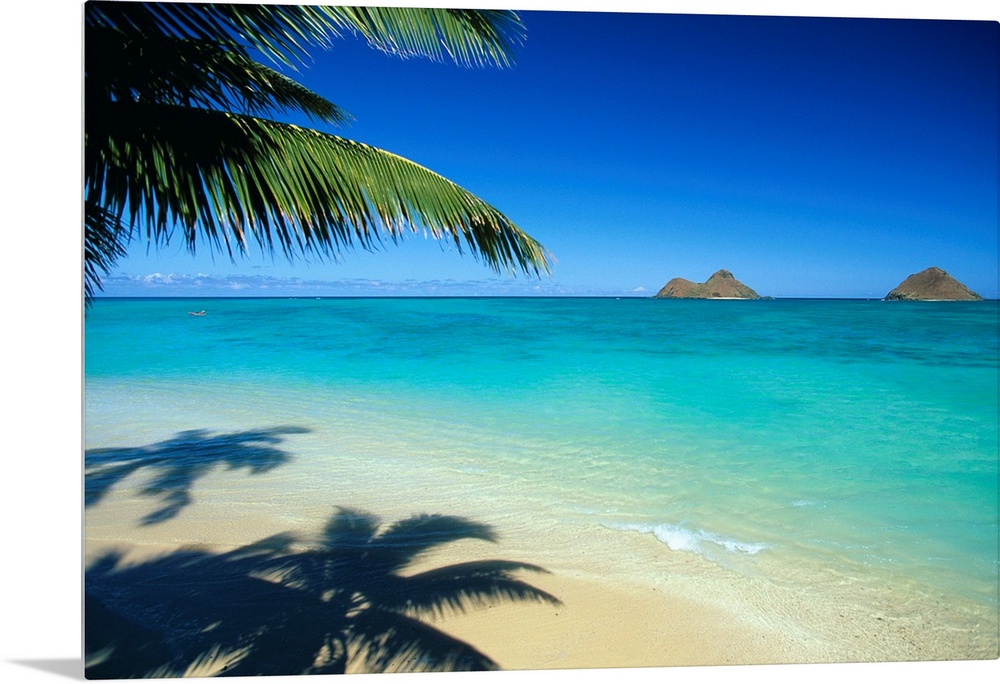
<point x="158" y="279"/>
<point x="249" y="285"/>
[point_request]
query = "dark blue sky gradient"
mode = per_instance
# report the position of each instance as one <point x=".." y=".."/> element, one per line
<point x="811" y="157"/>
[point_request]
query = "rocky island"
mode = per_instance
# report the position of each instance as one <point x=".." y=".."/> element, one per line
<point x="722" y="285"/>
<point x="932" y="284"/>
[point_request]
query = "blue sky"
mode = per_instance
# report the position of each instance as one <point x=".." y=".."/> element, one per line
<point x="809" y="156"/>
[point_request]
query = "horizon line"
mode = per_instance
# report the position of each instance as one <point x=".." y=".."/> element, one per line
<point x="542" y="296"/>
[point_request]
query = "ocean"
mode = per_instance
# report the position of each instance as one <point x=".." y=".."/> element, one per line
<point x="842" y="448"/>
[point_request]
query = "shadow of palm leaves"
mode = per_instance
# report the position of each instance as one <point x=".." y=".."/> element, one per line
<point x="180" y="461"/>
<point x="277" y="607"/>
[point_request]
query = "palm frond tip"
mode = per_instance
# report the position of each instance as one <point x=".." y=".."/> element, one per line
<point x="317" y="192"/>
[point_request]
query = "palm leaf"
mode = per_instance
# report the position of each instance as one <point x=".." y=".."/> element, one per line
<point x="240" y="178"/>
<point x="284" y="32"/>
<point x="197" y="73"/>
<point x="467" y="37"/>
<point x="163" y="79"/>
<point x="105" y="240"/>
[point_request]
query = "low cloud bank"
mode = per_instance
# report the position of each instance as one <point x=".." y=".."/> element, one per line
<point x="205" y="285"/>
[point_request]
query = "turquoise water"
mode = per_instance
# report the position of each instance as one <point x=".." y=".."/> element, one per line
<point x="855" y="435"/>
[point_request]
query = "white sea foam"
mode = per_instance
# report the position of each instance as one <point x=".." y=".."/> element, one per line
<point x="679" y="538"/>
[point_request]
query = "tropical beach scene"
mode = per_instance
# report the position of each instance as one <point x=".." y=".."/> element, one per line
<point x="444" y="340"/>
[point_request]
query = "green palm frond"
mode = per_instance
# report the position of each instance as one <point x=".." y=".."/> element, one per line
<point x="204" y="74"/>
<point x="105" y="240"/>
<point x="179" y="137"/>
<point x="241" y="179"/>
<point x="285" y="32"/>
<point x="467" y="37"/>
<point x="282" y="32"/>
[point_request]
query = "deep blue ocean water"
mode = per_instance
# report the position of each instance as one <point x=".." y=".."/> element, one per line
<point x="855" y="435"/>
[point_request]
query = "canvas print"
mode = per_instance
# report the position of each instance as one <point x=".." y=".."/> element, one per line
<point x="435" y="339"/>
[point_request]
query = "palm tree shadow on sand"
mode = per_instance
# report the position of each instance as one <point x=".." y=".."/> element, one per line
<point x="285" y="606"/>
<point x="180" y="461"/>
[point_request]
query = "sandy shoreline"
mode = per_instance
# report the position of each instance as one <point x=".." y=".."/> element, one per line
<point x="600" y="624"/>
<point x="697" y="613"/>
<point x="682" y="610"/>
<point x="608" y="625"/>
<point x="628" y="600"/>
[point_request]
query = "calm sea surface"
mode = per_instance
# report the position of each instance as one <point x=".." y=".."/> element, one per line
<point x="856" y="436"/>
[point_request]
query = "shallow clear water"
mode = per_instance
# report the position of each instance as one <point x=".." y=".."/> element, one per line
<point x="857" y="435"/>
